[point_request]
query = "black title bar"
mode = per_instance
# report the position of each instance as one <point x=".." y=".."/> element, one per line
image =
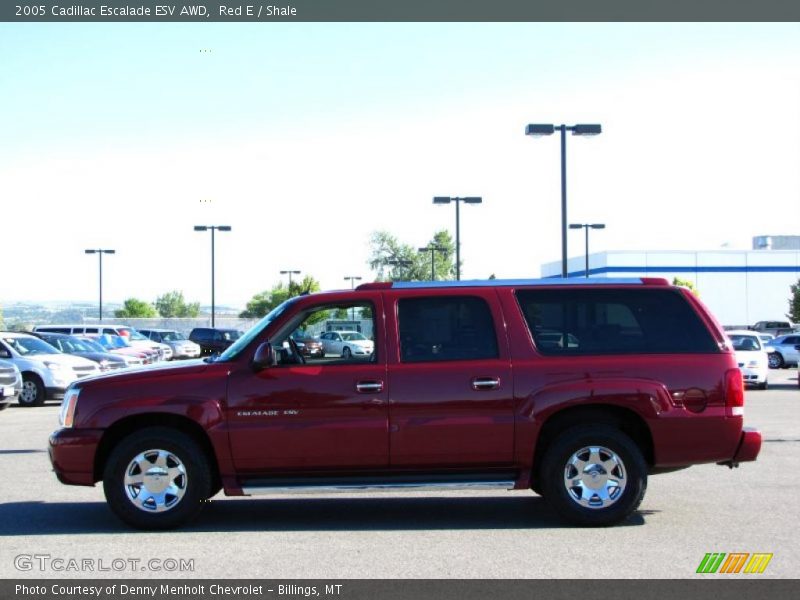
<point x="400" y="11"/>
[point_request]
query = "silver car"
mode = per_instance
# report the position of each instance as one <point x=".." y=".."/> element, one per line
<point x="181" y="346"/>
<point x="10" y="383"/>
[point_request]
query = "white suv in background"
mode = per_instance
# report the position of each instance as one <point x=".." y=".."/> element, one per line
<point x="46" y="372"/>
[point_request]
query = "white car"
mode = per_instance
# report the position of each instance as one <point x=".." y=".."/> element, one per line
<point x="46" y="371"/>
<point x="751" y="356"/>
<point x="346" y="344"/>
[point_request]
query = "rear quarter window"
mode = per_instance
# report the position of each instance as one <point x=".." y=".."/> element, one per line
<point x="613" y="321"/>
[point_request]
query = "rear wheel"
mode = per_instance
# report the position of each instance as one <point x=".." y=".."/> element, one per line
<point x="157" y="478"/>
<point x="33" y="391"/>
<point x="775" y="360"/>
<point x="593" y="475"/>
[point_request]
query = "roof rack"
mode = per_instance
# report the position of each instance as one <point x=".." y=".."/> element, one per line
<point x="405" y="285"/>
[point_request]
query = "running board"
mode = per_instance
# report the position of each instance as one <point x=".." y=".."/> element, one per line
<point x="376" y="487"/>
<point x="349" y="485"/>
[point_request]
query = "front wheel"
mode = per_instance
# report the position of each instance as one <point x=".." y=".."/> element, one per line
<point x="594" y="475"/>
<point x="33" y="391"/>
<point x="157" y="478"/>
<point x="346" y="354"/>
<point x="775" y="360"/>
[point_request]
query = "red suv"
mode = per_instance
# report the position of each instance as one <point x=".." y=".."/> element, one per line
<point x="577" y="389"/>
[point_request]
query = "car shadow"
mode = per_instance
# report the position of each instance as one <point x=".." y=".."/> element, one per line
<point x="307" y="514"/>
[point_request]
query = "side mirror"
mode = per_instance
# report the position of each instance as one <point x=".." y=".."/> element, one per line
<point x="264" y="357"/>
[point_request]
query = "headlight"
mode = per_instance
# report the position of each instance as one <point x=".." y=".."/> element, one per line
<point x="65" y="417"/>
<point x="54" y="366"/>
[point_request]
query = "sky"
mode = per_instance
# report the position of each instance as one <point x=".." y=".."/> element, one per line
<point x="306" y="138"/>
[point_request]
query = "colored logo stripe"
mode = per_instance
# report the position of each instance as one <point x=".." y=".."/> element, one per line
<point x="758" y="563"/>
<point x="713" y="562"/>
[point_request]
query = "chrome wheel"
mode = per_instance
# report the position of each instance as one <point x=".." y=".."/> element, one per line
<point x="155" y="481"/>
<point x="595" y="477"/>
<point x="775" y="360"/>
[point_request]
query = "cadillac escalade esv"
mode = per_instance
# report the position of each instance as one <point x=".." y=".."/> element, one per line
<point x="577" y="389"/>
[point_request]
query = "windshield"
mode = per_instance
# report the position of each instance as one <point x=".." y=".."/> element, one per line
<point x="240" y="344"/>
<point x="352" y="337"/>
<point x="746" y="343"/>
<point x="30" y="346"/>
<point x="172" y="336"/>
<point x="92" y="345"/>
<point x="135" y="335"/>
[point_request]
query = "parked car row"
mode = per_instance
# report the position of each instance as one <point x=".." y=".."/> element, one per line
<point x="46" y="371"/>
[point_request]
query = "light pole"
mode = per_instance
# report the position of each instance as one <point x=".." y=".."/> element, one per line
<point x="467" y="200"/>
<point x="353" y="279"/>
<point x="540" y="130"/>
<point x="433" y="250"/>
<point x="587" y="227"/>
<point x="399" y="262"/>
<point x="213" y="228"/>
<point x="100" y="252"/>
<point x="290" y="273"/>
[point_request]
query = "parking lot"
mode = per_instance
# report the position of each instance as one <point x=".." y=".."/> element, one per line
<point x="453" y="535"/>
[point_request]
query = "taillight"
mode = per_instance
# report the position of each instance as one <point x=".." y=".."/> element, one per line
<point x="734" y="393"/>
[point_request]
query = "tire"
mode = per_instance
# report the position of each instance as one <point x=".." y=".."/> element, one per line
<point x="4" y="406"/>
<point x="346" y="354"/>
<point x="173" y="498"/>
<point x="763" y="386"/>
<point x="775" y="360"/>
<point x="596" y="446"/>
<point x="33" y="392"/>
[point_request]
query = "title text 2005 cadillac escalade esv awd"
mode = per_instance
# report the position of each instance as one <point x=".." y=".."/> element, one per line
<point x="577" y="389"/>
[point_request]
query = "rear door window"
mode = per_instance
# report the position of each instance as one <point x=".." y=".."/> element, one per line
<point x="608" y="321"/>
<point x="445" y="328"/>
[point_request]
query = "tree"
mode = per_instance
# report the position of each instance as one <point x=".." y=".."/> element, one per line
<point x="172" y="304"/>
<point x="133" y="308"/>
<point x="685" y="283"/>
<point x="794" y="303"/>
<point x="386" y="249"/>
<point x="263" y="302"/>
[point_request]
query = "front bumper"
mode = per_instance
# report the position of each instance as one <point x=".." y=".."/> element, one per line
<point x="748" y="449"/>
<point x="72" y="453"/>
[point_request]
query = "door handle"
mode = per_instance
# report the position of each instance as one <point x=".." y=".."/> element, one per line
<point x="482" y="384"/>
<point x="369" y="387"/>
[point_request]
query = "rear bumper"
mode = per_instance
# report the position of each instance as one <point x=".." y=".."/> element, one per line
<point x="72" y="453"/>
<point x="748" y="449"/>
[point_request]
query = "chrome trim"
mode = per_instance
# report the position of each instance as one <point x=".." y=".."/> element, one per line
<point x="378" y="487"/>
<point x="405" y="285"/>
<point x="364" y="387"/>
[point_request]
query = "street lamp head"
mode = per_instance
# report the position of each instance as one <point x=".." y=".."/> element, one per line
<point x="595" y="129"/>
<point x="575" y="225"/>
<point x="109" y="251"/>
<point x="224" y="228"/>
<point x="90" y="251"/>
<point x="598" y="225"/>
<point x="472" y="200"/>
<point x="200" y="228"/>
<point x="539" y="129"/>
<point x="441" y="200"/>
<point x="290" y="272"/>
